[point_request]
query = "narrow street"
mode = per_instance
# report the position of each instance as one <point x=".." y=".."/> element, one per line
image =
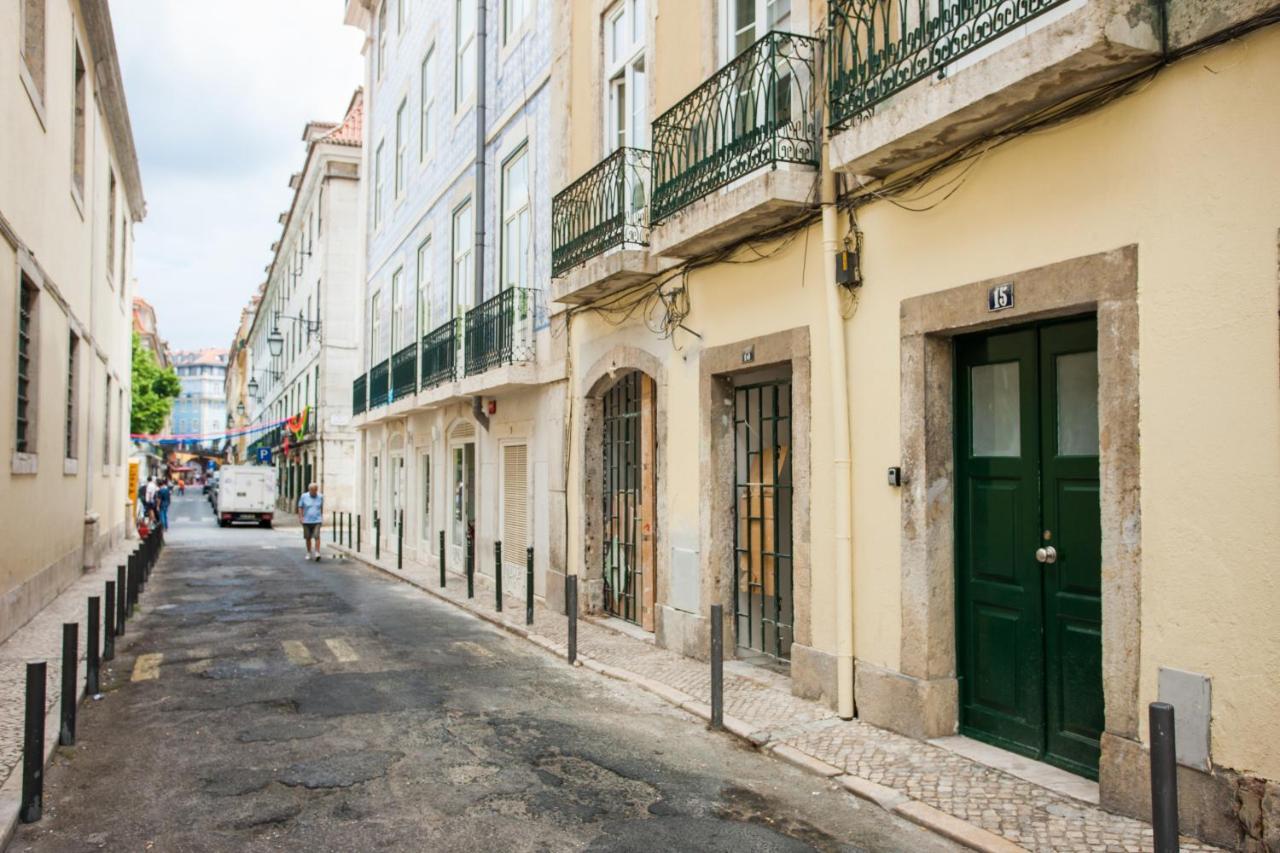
<point x="263" y="702"/>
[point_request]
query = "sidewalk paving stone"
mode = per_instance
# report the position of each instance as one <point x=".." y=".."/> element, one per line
<point x="924" y="782"/>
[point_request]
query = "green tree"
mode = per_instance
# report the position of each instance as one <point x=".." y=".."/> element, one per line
<point x="154" y="390"/>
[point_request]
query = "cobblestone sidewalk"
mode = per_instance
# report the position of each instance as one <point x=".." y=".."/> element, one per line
<point x="41" y="639"/>
<point x="950" y="793"/>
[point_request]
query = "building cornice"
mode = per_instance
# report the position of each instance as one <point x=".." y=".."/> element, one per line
<point x="102" y="44"/>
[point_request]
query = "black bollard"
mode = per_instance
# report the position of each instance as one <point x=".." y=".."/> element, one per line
<point x="70" y="662"/>
<point x="359" y="533"/>
<point x="377" y="538"/>
<point x="497" y="574"/>
<point x="442" y="580"/>
<point x="333" y="526"/>
<point x="1164" y="778"/>
<point x="348" y="530"/>
<point x="717" y="666"/>
<point x="33" y="746"/>
<point x="571" y="595"/>
<point x="528" y="585"/>
<point x="471" y="567"/>
<point x="400" y="541"/>
<point x="122" y="603"/>
<point x="132" y="597"/>
<point x="109" y="621"/>
<point x="91" y="662"/>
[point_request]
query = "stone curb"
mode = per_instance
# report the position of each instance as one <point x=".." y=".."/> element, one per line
<point x="890" y="799"/>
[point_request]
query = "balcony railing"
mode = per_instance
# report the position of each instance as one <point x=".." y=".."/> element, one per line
<point x="876" y="48"/>
<point x="360" y="394"/>
<point x="440" y="355"/>
<point x="379" y="385"/>
<point x="404" y="372"/>
<point x="500" y="330"/>
<point x="606" y="207"/>
<point x="756" y="111"/>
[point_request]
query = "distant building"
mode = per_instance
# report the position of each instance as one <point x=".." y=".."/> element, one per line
<point x="70" y="192"/>
<point x="144" y="324"/>
<point x="236" y="385"/>
<point x="202" y="407"/>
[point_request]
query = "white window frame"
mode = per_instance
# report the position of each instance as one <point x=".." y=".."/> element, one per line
<point x="397" y="308"/>
<point x="730" y="28"/>
<point x="625" y="77"/>
<point x="462" y="269"/>
<point x="513" y="26"/>
<point x="464" y="42"/>
<point x="401" y="146"/>
<point x="515" y="212"/>
<point x="375" y="327"/>
<point x="424" y="485"/>
<point x="382" y="38"/>
<point x="423" y="315"/>
<point x="426" y="103"/>
<point x="378" y="185"/>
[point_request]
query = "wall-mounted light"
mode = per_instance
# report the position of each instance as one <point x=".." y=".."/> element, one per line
<point x="275" y="342"/>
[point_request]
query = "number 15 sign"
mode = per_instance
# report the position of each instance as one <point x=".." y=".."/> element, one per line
<point x="1000" y="297"/>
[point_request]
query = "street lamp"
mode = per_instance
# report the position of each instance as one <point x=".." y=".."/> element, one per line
<point x="253" y="389"/>
<point x="240" y="410"/>
<point x="275" y="341"/>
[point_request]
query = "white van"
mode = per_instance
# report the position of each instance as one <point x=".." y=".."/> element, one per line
<point x="246" y="493"/>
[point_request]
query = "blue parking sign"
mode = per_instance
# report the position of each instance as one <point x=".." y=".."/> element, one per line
<point x="264" y="455"/>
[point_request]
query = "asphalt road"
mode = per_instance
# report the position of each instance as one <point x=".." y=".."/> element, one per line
<point x="263" y="702"/>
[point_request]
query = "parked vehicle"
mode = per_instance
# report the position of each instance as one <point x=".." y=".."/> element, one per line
<point x="245" y="493"/>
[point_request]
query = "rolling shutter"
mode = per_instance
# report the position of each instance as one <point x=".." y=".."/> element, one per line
<point x="515" y="503"/>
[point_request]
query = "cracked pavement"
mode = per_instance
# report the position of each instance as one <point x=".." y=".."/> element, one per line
<point x="318" y="706"/>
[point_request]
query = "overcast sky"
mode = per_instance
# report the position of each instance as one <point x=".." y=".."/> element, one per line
<point x="218" y="94"/>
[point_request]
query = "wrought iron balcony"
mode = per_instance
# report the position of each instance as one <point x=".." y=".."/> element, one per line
<point x="360" y="394"/>
<point x="756" y="111"/>
<point x="440" y="355"/>
<point x="404" y="372"/>
<point x="877" y="48"/>
<point x="606" y="207"/>
<point x="379" y="383"/>
<point x="500" y="330"/>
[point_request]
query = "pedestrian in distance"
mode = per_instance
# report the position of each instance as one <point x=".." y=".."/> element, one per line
<point x="149" y="498"/>
<point x="163" y="496"/>
<point x="311" y="514"/>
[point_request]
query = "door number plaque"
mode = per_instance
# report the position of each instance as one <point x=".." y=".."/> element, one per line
<point x="1000" y="297"/>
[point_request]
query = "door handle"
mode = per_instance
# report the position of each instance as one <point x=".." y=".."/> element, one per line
<point x="1047" y="554"/>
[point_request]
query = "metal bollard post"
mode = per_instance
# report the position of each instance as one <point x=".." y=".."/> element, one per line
<point x="571" y="593"/>
<point x="109" y="621"/>
<point x="333" y="527"/>
<point x="348" y="530"/>
<point x="497" y="574"/>
<point x="471" y="567"/>
<point x="131" y="583"/>
<point x="717" y="666"/>
<point x="377" y="538"/>
<point x="122" y="600"/>
<point x="528" y="585"/>
<point x="1164" y="778"/>
<point x="442" y="579"/>
<point x="359" y="533"/>
<point x="70" y="662"/>
<point x="400" y="541"/>
<point x="91" y="662"/>
<point x="33" y="746"/>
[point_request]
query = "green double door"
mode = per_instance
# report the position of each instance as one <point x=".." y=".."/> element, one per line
<point x="1028" y="542"/>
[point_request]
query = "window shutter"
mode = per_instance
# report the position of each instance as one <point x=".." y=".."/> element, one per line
<point x="515" y="503"/>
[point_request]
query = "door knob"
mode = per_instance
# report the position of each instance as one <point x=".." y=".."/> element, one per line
<point x="1047" y="554"/>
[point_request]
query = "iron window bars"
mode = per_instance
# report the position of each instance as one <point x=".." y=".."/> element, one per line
<point x="439" y="354"/>
<point x="877" y="48"/>
<point x="756" y="111"/>
<point x="606" y="207"/>
<point x="500" y="330"/>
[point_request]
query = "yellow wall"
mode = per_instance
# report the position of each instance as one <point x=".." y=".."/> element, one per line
<point x="1186" y="169"/>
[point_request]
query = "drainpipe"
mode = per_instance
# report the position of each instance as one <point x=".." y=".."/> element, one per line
<point x="840" y="438"/>
<point x="477" y="404"/>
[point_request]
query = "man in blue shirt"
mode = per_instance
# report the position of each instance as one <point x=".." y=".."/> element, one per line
<point x="311" y="514"/>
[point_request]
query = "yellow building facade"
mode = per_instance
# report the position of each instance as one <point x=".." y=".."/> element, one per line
<point x="1008" y="464"/>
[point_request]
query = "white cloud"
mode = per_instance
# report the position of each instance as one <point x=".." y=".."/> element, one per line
<point x="218" y="95"/>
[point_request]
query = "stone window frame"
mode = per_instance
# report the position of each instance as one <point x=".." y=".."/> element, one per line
<point x="33" y="70"/>
<point x="922" y="698"/>
<point x="813" y="670"/>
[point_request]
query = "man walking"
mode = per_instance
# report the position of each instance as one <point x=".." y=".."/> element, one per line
<point x="163" y="496"/>
<point x="311" y="514"/>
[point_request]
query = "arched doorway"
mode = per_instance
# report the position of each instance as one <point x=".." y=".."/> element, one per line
<point x="628" y="490"/>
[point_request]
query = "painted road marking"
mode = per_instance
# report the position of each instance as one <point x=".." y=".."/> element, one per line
<point x="147" y="667"/>
<point x="342" y="651"/>
<point x="297" y="653"/>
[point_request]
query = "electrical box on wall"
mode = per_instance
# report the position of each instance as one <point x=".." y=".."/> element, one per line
<point x="847" y="268"/>
<point x="895" y="476"/>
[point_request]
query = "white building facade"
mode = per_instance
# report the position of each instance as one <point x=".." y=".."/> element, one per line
<point x="460" y="397"/>
<point x="302" y="342"/>
<point x="201" y="408"/>
<point x="69" y="193"/>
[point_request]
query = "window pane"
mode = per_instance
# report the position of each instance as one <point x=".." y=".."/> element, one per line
<point x="1078" y="404"/>
<point x="996" y="414"/>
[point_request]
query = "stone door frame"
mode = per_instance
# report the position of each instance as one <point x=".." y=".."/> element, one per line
<point x="922" y="698"/>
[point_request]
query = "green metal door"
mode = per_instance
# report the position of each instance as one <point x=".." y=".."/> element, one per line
<point x="1028" y="542"/>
